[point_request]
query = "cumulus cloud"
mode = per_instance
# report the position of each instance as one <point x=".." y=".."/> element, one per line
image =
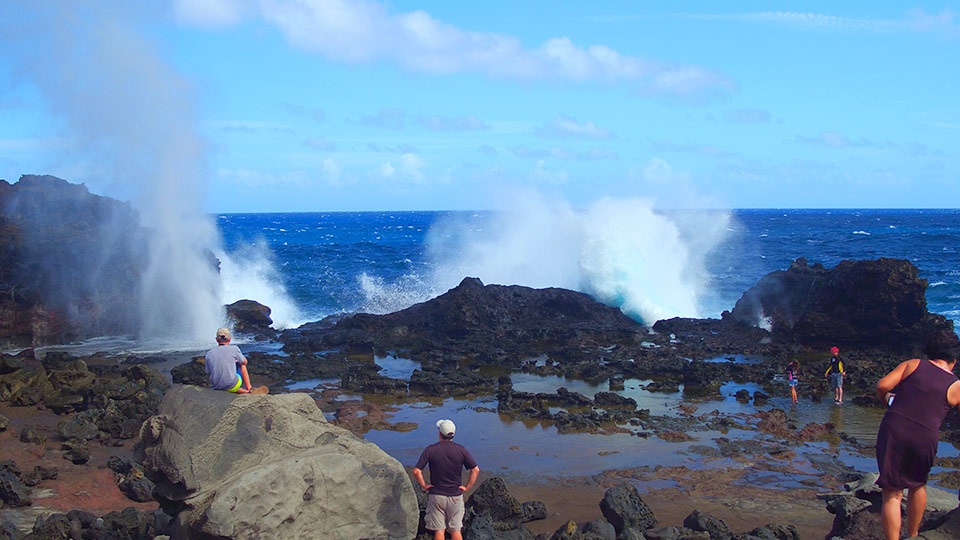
<point x="408" y="167"/>
<point x="366" y="31"/>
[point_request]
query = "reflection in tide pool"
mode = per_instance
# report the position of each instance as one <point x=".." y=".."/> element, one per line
<point x="312" y="384"/>
<point x="658" y="403"/>
<point x="736" y="359"/>
<point x="503" y="445"/>
<point x="396" y="368"/>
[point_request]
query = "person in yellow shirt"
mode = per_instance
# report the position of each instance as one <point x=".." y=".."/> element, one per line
<point x="836" y="371"/>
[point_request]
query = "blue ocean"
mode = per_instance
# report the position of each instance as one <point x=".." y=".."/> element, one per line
<point x="651" y="264"/>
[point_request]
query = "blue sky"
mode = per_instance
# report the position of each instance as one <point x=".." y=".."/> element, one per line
<point x="323" y="105"/>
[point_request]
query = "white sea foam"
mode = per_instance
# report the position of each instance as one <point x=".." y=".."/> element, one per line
<point x="382" y="297"/>
<point x="250" y="273"/>
<point x="621" y="251"/>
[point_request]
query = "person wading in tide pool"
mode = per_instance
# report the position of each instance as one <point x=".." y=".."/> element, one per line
<point x="793" y="372"/>
<point x="227" y="367"/>
<point x="835" y="372"/>
<point x="446" y="460"/>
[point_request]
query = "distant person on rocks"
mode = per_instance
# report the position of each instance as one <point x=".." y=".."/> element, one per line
<point x="793" y="371"/>
<point x="835" y="372"/>
<point x="918" y="394"/>
<point x="226" y="366"/>
<point x="446" y="460"/>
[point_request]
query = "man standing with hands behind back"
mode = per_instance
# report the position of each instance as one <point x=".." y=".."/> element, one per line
<point x="446" y="460"/>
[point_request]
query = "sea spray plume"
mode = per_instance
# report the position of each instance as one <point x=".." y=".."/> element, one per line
<point x="129" y="119"/>
<point x="381" y="297"/>
<point x="534" y="243"/>
<point x="250" y="273"/>
<point x="621" y="251"/>
<point x="635" y="259"/>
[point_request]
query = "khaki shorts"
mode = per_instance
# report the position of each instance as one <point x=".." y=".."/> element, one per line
<point x="444" y="513"/>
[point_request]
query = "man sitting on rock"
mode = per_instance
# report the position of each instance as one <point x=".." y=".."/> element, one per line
<point x="446" y="460"/>
<point x="226" y="366"/>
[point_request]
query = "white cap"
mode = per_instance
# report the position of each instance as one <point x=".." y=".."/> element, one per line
<point x="447" y="428"/>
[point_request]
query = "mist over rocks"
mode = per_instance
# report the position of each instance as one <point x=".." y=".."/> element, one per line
<point x="60" y="279"/>
<point x="74" y="265"/>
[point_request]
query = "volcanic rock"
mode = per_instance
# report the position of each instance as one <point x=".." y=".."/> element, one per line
<point x="871" y="303"/>
<point x="623" y="507"/>
<point x="251" y="317"/>
<point x="488" y="324"/>
<point x="270" y="466"/>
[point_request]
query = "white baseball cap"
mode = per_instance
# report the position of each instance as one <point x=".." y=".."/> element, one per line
<point x="447" y="428"/>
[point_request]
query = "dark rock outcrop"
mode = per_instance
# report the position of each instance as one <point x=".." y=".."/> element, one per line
<point x="488" y="324"/>
<point x="492" y="506"/>
<point x="871" y="303"/>
<point x="623" y="507"/>
<point x="251" y="317"/>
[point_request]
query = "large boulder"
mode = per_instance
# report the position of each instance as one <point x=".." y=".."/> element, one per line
<point x="270" y="466"/>
<point x="869" y="303"/>
<point x="251" y="317"/>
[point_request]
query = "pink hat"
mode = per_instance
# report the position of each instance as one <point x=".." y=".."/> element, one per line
<point x="834" y="350"/>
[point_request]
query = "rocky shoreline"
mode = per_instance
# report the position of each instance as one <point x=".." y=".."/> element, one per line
<point x="89" y="411"/>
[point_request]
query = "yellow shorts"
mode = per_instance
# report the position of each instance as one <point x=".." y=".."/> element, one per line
<point x="236" y="386"/>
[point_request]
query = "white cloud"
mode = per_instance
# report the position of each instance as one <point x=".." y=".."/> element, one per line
<point x="364" y="31"/>
<point x="564" y="127"/>
<point x="407" y="167"/>
<point x="332" y="171"/>
<point x="387" y="170"/>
